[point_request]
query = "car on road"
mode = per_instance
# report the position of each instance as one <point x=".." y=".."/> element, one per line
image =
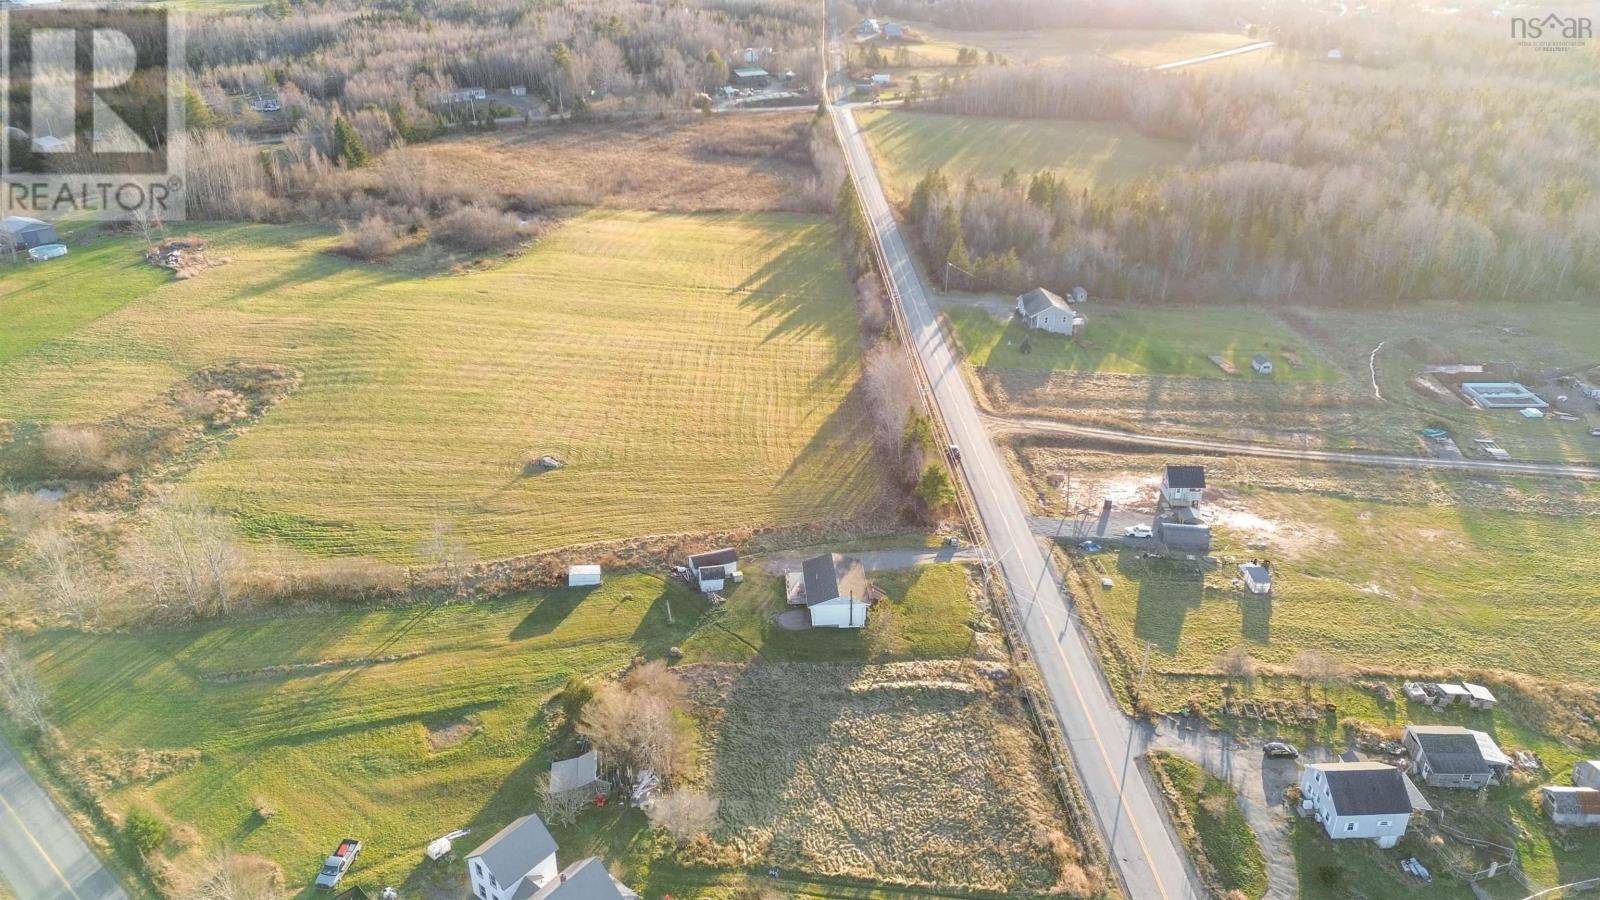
<point x="1279" y="750"/>
<point x="1138" y="531"/>
<point x="955" y="453"/>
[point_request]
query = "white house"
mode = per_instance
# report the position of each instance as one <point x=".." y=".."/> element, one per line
<point x="583" y="576"/>
<point x="882" y="79"/>
<point x="1368" y="800"/>
<point x="515" y="863"/>
<point x="1261" y="364"/>
<point x="1257" y="578"/>
<point x="586" y="879"/>
<point x="712" y="570"/>
<point x="833" y="589"/>
<point x="867" y="28"/>
<point x="1183" y="486"/>
<point x="1042" y="310"/>
<point x="1587" y="774"/>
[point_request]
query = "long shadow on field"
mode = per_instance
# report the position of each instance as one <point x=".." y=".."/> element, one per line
<point x="1167" y="591"/>
<point x="791" y="291"/>
<point x="828" y="475"/>
<point x="550" y="613"/>
<point x="658" y="631"/>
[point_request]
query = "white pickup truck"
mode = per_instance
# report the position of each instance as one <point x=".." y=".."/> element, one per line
<point x="334" y="867"/>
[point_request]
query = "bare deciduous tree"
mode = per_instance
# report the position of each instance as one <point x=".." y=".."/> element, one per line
<point x="633" y="723"/>
<point x="1318" y="668"/>
<point x="186" y="553"/>
<point x="20" y="693"/>
<point x="66" y="580"/>
<point x="225" y="875"/>
<point x="684" y="814"/>
<point x="562" y="808"/>
<point x="28" y="513"/>
<point x="447" y="553"/>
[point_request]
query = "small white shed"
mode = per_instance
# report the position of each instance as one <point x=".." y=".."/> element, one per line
<point x="583" y="576"/>
<point x="1257" y="578"/>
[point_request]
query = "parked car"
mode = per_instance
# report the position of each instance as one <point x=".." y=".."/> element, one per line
<point x="1137" y="531"/>
<point x="1279" y="750"/>
<point x="334" y="867"/>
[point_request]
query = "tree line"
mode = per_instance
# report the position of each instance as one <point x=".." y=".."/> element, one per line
<point x="1317" y="181"/>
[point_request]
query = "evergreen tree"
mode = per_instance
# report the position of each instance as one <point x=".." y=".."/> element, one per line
<point x="348" y="147"/>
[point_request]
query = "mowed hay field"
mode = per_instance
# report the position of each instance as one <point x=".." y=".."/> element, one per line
<point x="1136" y="46"/>
<point x="907" y="145"/>
<point x="342" y="748"/>
<point x="695" y="372"/>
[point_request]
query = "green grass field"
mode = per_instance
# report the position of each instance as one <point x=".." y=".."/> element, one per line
<point x="1217" y="830"/>
<point x="343" y="749"/>
<point x="1086" y="154"/>
<point x="104" y="277"/>
<point x="1145" y="341"/>
<point x="694" y="372"/>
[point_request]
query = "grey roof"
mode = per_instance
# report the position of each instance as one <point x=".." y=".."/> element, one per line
<point x="832" y="575"/>
<point x="586" y="879"/>
<point x="1186" y="476"/>
<point x="1181" y="536"/>
<point x="1366" y="788"/>
<point x="1260" y="358"/>
<point x="516" y="849"/>
<point x="572" y="774"/>
<point x="18" y="223"/>
<point x="714" y="558"/>
<point x="1450" y="749"/>
<point x="712" y="573"/>
<point x="1038" y="300"/>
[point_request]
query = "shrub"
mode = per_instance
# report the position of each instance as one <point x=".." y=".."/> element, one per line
<point x="144" y="832"/>
<point x="479" y="229"/>
<point x="375" y="238"/>
<point x="83" y="451"/>
<point x="575" y="694"/>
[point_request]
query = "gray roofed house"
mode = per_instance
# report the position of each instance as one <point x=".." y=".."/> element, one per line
<point x="1586" y="773"/>
<point x="1044" y="310"/>
<point x="1186" y="476"/>
<point x="834" y="575"/>
<point x="586" y="879"/>
<point x="1183" y="537"/>
<point x="1360" y="799"/>
<point x="515" y="863"/>
<point x="709" y="571"/>
<point x="1261" y="364"/>
<point x="1455" y="757"/>
<point x="714" y="558"/>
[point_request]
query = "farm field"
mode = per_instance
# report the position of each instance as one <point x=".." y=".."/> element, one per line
<point x="716" y="164"/>
<point x="399" y="724"/>
<point x="105" y="276"/>
<point x="1136" y="46"/>
<point x="907" y="145"/>
<point x="694" y="372"/>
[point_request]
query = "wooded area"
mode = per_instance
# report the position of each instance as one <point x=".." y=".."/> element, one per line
<point x="1425" y="168"/>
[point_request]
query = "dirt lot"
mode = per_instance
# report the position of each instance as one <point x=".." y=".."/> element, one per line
<point x="912" y="773"/>
<point x="739" y="163"/>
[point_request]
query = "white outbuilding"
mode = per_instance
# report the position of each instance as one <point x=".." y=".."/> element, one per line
<point x="583" y="576"/>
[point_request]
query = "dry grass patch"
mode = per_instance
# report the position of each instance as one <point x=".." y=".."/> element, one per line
<point x="721" y="163"/>
<point x="447" y="734"/>
<point x="907" y="773"/>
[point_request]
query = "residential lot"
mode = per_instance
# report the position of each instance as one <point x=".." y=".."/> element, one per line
<point x="398" y="725"/>
<point x="693" y="372"/>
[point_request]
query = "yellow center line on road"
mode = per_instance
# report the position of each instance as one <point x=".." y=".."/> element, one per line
<point x="40" y="847"/>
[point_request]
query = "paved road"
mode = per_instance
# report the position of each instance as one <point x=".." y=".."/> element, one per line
<point x="41" y="856"/>
<point x="1233" y="448"/>
<point x="1105" y="744"/>
<point x="1221" y="54"/>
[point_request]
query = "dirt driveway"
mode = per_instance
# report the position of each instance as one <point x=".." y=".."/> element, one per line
<point x="1259" y="783"/>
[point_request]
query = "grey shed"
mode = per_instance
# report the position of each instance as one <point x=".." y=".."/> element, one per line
<point x="26" y="233"/>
